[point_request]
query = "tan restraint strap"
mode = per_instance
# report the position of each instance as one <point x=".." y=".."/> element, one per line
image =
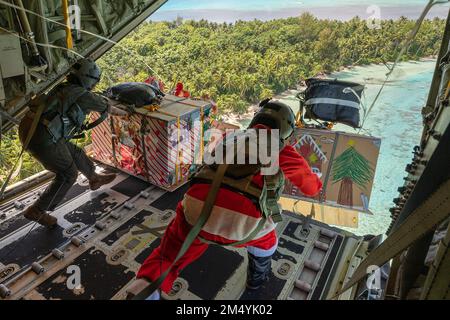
<point x="430" y="214"/>
<point x="31" y="131"/>
<point x="69" y="40"/>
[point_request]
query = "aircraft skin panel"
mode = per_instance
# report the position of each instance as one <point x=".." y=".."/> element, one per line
<point x="108" y="19"/>
<point x="108" y="233"/>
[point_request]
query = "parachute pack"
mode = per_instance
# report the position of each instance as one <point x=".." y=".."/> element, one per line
<point x="137" y="94"/>
<point x="333" y="100"/>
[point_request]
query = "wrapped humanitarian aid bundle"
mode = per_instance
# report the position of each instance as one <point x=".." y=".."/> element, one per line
<point x="161" y="142"/>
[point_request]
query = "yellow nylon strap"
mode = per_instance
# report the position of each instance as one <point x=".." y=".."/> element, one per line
<point x="202" y="138"/>
<point x="298" y="120"/>
<point x="180" y="159"/>
<point x="154" y="108"/>
<point x="167" y="113"/>
<point x="151" y="107"/>
<point x="69" y="40"/>
<point x="447" y="92"/>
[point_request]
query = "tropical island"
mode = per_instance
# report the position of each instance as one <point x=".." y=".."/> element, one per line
<point x="239" y="64"/>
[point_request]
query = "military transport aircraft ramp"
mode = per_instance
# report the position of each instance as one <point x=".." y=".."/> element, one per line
<point x="102" y="237"/>
<point x="107" y="234"/>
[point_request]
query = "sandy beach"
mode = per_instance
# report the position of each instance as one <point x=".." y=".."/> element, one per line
<point x="243" y="119"/>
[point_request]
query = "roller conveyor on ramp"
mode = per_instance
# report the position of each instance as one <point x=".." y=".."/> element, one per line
<point x="103" y="237"/>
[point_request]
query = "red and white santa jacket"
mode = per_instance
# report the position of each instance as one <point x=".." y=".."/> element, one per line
<point x="235" y="216"/>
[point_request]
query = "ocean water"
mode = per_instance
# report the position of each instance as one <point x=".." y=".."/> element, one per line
<point x="396" y="119"/>
<point x="233" y="10"/>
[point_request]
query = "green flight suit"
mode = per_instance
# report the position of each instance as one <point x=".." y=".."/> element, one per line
<point x="60" y="156"/>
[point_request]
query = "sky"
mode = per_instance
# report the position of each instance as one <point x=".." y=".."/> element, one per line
<point x="232" y="10"/>
<point x="272" y="4"/>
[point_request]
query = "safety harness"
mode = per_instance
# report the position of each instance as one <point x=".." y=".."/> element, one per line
<point x="204" y="216"/>
<point x="64" y="118"/>
<point x="266" y="197"/>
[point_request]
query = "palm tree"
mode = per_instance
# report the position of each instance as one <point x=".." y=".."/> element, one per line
<point x="351" y="167"/>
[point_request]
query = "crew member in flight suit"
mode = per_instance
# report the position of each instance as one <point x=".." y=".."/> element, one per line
<point x="65" y="110"/>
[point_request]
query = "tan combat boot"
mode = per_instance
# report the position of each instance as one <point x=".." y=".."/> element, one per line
<point x="100" y="180"/>
<point x="34" y="214"/>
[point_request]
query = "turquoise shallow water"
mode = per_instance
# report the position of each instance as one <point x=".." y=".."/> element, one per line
<point x="397" y="120"/>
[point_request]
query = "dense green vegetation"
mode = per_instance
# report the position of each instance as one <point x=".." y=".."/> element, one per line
<point x="10" y="149"/>
<point x="238" y="64"/>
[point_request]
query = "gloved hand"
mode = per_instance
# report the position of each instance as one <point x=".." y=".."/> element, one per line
<point x="317" y="173"/>
<point x="114" y="111"/>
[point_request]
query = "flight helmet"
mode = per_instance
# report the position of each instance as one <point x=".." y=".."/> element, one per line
<point x="275" y="115"/>
<point x="86" y="72"/>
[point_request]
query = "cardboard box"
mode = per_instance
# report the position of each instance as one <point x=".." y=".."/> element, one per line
<point x="347" y="163"/>
<point x="160" y="145"/>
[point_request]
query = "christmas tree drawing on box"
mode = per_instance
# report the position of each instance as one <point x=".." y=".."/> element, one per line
<point x="351" y="168"/>
<point x="344" y="162"/>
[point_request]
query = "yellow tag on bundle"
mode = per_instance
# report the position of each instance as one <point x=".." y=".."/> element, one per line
<point x="152" y="108"/>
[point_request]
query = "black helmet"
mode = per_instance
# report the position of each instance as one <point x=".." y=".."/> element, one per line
<point x="87" y="73"/>
<point x="275" y="115"/>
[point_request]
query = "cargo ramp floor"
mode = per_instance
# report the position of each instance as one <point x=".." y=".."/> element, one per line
<point x="106" y="235"/>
